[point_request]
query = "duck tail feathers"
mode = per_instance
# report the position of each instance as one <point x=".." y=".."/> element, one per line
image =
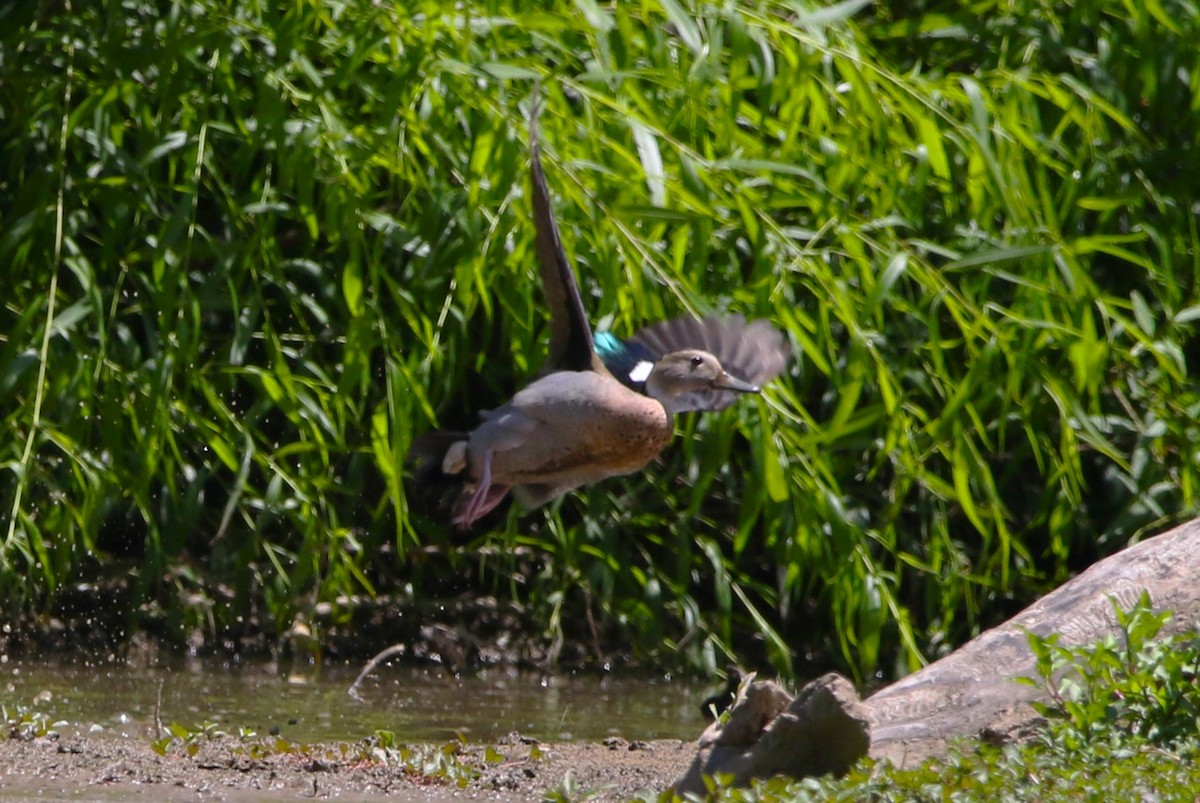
<point x="427" y="454"/>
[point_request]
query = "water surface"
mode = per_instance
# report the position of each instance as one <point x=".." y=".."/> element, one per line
<point x="416" y="704"/>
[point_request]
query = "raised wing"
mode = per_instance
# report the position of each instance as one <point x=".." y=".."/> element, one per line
<point x="571" y="346"/>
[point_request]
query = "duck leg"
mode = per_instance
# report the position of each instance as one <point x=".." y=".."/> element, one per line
<point x="482" y="498"/>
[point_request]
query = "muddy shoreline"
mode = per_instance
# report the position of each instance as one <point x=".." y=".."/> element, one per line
<point x="106" y="767"/>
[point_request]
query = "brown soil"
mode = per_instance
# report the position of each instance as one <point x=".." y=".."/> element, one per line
<point x="105" y="767"/>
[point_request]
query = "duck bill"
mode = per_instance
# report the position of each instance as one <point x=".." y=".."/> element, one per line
<point x="727" y="382"/>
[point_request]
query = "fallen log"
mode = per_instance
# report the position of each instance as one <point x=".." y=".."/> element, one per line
<point x="972" y="692"/>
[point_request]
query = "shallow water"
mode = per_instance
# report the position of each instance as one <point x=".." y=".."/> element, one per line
<point x="416" y="704"/>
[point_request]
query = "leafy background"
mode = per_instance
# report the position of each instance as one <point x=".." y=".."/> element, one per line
<point x="250" y="249"/>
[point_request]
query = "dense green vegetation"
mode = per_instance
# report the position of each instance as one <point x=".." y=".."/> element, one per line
<point x="250" y="249"/>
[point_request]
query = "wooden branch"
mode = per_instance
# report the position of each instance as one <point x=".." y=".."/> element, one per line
<point x="971" y="693"/>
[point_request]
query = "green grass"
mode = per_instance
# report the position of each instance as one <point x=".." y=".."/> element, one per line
<point x="1032" y="772"/>
<point x="251" y="249"/>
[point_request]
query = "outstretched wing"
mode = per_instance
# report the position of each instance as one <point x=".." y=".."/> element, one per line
<point x="753" y="351"/>
<point x="571" y="346"/>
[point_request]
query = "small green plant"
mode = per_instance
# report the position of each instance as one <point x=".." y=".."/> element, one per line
<point x="568" y="791"/>
<point x="23" y="723"/>
<point x="1130" y="685"/>
<point x="188" y="739"/>
<point x="440" y="763"/>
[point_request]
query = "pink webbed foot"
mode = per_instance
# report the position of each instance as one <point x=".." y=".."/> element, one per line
<point x="481" y="499"/>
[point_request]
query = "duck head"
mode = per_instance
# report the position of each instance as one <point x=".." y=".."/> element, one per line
<point x="683" y="381"/>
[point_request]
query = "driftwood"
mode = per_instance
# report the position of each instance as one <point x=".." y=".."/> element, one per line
<point x="970" y="693"/>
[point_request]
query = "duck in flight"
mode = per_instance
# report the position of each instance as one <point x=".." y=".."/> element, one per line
<point x="601" y="407"/>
